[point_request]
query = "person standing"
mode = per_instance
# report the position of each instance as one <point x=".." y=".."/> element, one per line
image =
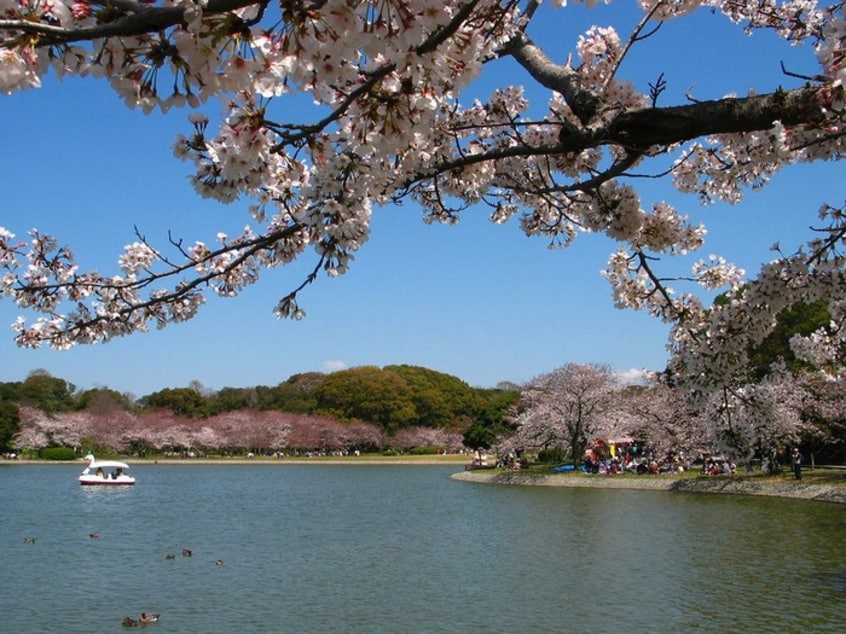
<point x="797" y="463"/>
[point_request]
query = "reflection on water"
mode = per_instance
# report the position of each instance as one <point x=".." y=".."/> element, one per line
<point x="338" y="548"/>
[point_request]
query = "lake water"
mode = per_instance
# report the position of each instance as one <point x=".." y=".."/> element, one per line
<point x="405" y="549"/>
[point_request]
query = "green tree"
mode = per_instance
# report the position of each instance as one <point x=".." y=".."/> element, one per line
<point x="181" y="401"/>
<point x="10" y="424"/>
<point x="102" y="399"/>
<point x="231" y="399"/>
<point x="367" y="394"/>
<point x="799" y="319"/>
<point x="47" y="393"/>
<point x="10" y="391"/>
<point x="440" y="400"/>
<point x="491" y="416"/>
<point x="296" y="394"/>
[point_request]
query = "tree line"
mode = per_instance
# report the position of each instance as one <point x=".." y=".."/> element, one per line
<point x="581" y="409"/>
<point x="775" y="402"/>
<point x="389" y="406"/>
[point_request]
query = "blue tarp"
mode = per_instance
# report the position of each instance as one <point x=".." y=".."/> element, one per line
<point x="564" y="467"/>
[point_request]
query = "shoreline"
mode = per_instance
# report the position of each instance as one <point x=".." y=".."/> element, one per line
<point x="726" y="485"/>
<point x="449" y="460"/>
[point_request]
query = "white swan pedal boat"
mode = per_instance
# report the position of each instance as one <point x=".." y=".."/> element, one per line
<point x="105" y="473"/>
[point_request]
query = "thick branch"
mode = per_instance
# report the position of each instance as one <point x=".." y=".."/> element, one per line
<point x="641" y="129"/>
<point x="560" y="78"/>
<point x="638" y="130"/>
<point x="147" y="20"/>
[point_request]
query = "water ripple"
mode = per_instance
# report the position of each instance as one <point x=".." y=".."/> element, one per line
<point x="398" y="549"/>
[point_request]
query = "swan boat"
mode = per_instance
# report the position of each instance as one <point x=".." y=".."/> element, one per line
<point x="105" y="473"/>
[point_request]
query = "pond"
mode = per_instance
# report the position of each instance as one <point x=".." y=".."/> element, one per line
<point x="393" y="548"/>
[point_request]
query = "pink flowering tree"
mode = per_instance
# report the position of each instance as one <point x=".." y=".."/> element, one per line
<point x="206" y="439"/>
<point x="758" y="419"/>
<point x="253" y="431"/>
<point x="318" y="434"/>
<point x="39" y="429"/>
<point x="358" y="435"/>
<point x="666" y="418"/>
<point x="84" y="430"/>
<point x="395" y="121"/>
<point x="824" y="410"/>
<point x="566" y="409"/>
<point x="420" y="437"/>
<point x="744" y="420"/>
<point x="116" y="431"/>
<point x="260" y="431"/>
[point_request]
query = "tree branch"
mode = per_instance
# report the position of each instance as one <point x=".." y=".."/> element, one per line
<point x="664" y="126"/>
<point x="139" y="21"/>
<point x="638" y="130"/>
<point x="560" y="78"/>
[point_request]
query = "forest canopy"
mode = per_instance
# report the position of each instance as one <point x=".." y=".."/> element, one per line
<point x="379" y="404"/>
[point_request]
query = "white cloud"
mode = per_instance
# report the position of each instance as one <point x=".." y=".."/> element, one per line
<point x="633" y="375"/>
<point x="333" y="366"/>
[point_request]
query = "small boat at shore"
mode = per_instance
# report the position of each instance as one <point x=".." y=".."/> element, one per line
<point x="105" y="473"/>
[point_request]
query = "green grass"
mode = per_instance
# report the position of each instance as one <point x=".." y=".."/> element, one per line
<point x="835" y="477"/>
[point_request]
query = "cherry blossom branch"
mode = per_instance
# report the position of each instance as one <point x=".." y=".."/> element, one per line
<point x="636" y="36"/>
<point x="140" y="19"/>
<point x="644" y="128"/>
<point x="374" y="77"/>
<point x="560" y="78"/>
<point x="126" y="289"/>
<point x="390" y="77"/>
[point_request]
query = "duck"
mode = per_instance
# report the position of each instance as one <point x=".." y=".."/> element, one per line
<point x="129" y="622"/>
<point x="170" y="556"/>
<point x="94" y="535"/>
<point x="186" y="552"/>
<point x="29" y="540"/>
<point x="219" y="562"/>
<point x="148" y="618"/>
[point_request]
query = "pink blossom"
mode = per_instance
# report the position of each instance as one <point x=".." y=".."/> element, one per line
<point x="392" y="124"/>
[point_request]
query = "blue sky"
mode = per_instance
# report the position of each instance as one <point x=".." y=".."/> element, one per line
<point x="476" y="300"/>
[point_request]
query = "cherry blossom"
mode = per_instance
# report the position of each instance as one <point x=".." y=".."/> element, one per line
<point x="566" y="409"/>
<point x="265" y="432"/>
<point x="756" y="420"/>
<point x="391" y="124"/>
<point x="666" y="418"/>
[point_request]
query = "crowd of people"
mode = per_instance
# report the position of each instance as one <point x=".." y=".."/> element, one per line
<point x="610" y="459"/>
<point x="717" y="465"/>
<point x="620" y="457"/>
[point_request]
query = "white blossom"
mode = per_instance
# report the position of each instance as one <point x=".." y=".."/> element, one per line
<point x="389" y="82"/>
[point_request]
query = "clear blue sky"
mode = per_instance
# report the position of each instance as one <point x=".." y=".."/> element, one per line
<point x="479" y="301"/>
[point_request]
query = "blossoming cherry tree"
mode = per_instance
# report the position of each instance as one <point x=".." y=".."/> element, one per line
<point x="391" y="124"/>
